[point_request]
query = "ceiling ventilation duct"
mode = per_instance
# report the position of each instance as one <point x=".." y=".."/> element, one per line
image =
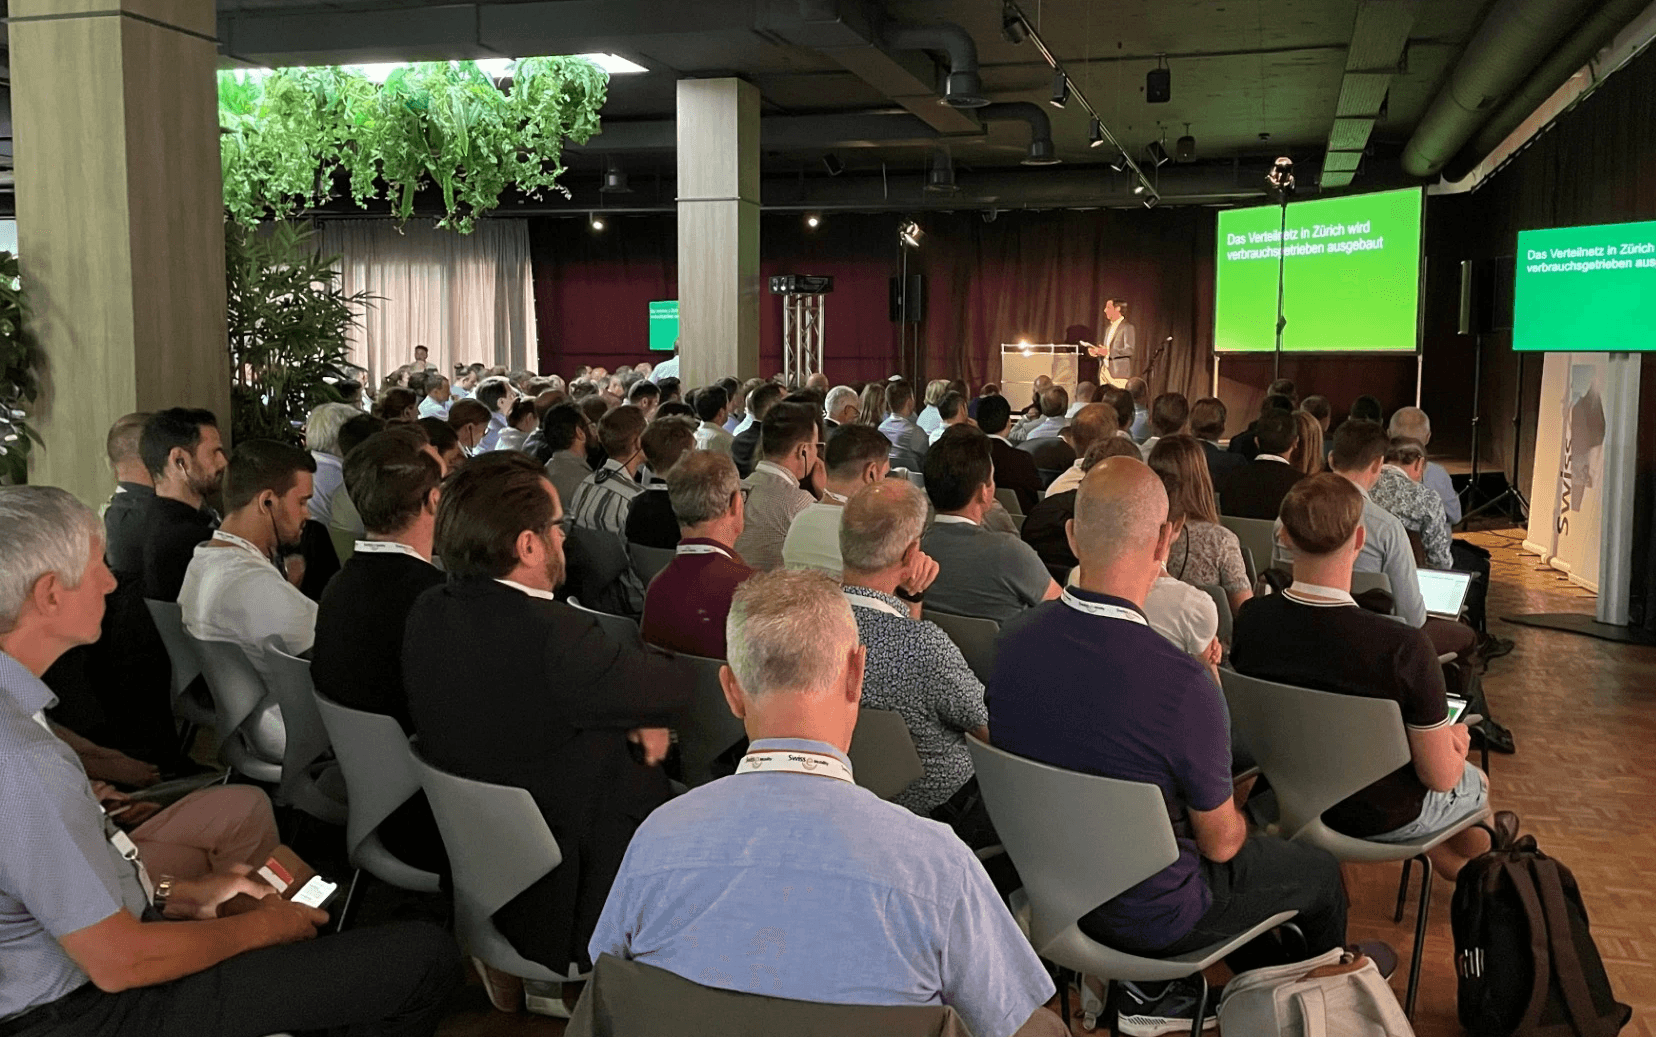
<point x="964" y="86"/>
<point x="1041" y="152"/>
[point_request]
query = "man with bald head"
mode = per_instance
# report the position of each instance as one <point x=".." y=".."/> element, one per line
<point x="817" y="381"/>
<point x="1084" y="683"/>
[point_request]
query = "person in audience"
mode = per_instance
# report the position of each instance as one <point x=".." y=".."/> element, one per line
<point x="650" y="520"/>
<point x="1365" y="408"/>
<point x="840" y="406"/>
<point x="520" y="421"/>
<point x="1138" y="391"/>
<point x="983" y="574"/>
<point x="712" y="407"/>
<point x="817" y="381"/>
<point x="233" y="590"/>
<point x="786" y="482"/>
<point x="929" y="418"/>
<point x="443" y="439"/>
<point x="901" y="911"/>
<point x="912" y="666"/>
<point x="602" y="499"/>
<point x="951" y="411"/>
<point x="677" y="409"/>
<point x="989" y="389"/>
<point x="744" y="449"/>
<point x="1288" y="638"/>
<point x="669" y="385"/>
<point x="80" y="957"/>
<point x="1246" y="442"/>
<point x="568" y="713"/>
<point x="565" y="432"/>
<point x="322" y="439"/>
<point x="1046" y="527"/>
<point x="908" y="439"/>
<point x="185" y="457"/>
<point x="1094" y="422"/>
<point x="470" y="421"/>
<point x="437" y="396"/>
<point x="1158" y="718"/>
<point x="1054" y="405"/>
<point x="1205" y="553"/>
<point x="1412" y="423"/>
<point x="646" y="396"/>
<point x="1400" y="491"/>
<point x="614" y="390"/>
<point x="856" y="456"/>
<point x="1168" y="415"/>
<point x="686" y="604"/>
<point x="1308" y="455"/>
<point x="1084" y="393"/>
<point x="1207" y="424"/>
<point x="421" y="363"/>
<point x="741" y="418"/>
<point x="1178" y="611"/>
<point x="1014" y="469"/>
<point x="497" y="396"/>
<point x="397" y="404"/>
<point x="1256" y="491"/>
<point x="1318" y="407"/>
<point x="871" y="408"/>
<point x="1127" y="410"/>
<point x="344" y="520"/>
<point x="134" y="492"/>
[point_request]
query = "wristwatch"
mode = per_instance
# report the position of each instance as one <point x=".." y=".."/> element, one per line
<point x="913" y="599"/>
<point x="163" y="892"/>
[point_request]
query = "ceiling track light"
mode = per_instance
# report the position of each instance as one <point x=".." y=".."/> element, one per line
<point x="595" y="221"/>
<point x="1095" y="138"/>
<point x="1012" y="25"/>
<point x="1060" y="88"/>
<point x="813" y="221"/>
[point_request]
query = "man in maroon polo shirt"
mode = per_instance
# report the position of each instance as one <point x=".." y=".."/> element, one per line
<point x="686" y="605"/>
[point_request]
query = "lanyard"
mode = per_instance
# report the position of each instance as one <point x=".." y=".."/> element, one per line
<point x="863" y="601"/>
<point x="1099" y="608"/>
<point x="387" y="547"/>
<point x="701" y="549"/>
<point x="794" y="761"/>
<point x="129" y="852"/>
<point x="231" y="538"/>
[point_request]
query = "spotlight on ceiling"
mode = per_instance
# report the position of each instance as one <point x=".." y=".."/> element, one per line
<point x="615" y="179"/>
<point x="1012" y="25"/>
<point x="595" y="221"/>
<point x="1185" y="148"/>
<point x="1138" y="188"/>
<point x="940" y="174"/>
<point x="813" y="221"/>
<point x="1119" y="163"/>
<point x="1155" y="153"/>
<point x="1158" y="82"/>
<point x="1060" y="88"/>
<point x="1095" y="139"/>
<point x="909" y="234"/>
<point x="1151" y="199"/>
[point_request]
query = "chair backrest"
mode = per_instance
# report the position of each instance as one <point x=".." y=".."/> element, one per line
<point x="344" y="543"/>
<point x="710" y="728"/>
<point x="1361" y="582"/>
<point x="622" y="628"/>
<point x="1009" y="500"/>
<point x="649" y="561"/>
<point x="1256" y="535"/>
<point x="1221" y="601"/>
<point x="379" y="772"/>
<point x="1316" y="747"/>
<point x="1251" y="566"/>
<point x="1068" y="869"/>
<point x="186" y="664"/>
<point x="289" y="681"/>
<point x="882" y="753"/>
<point x="973" y="636"/>
<point x="237" y="688"/>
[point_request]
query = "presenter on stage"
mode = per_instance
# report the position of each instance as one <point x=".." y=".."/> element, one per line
<point x="1115" y="353"/>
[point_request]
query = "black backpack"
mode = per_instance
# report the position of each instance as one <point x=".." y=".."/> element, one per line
<point x="1526" y="962"/>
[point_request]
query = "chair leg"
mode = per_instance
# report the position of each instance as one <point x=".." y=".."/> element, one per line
<point x="1063" y="997"/>
<point x="1201" y="1008"/>
<point x="1403" y="891"/>
<point x="1420" y="936"/>
<point x="350" y="901"/>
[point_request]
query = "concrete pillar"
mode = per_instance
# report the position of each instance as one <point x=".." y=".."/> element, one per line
<point x="119" y="218"/>
<point x="718" y="230"/>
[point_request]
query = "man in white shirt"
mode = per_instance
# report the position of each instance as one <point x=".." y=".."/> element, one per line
<point x="856" y="456"/>
<point x="713" y="408"/>
<point x="322" y="437"/>
<point x="497" y="395"/>
<point x="436" y="402"/>
<point x="668" y="368"/>
<point x="234" y="590"/>
<point x="1091" y="423"/>
<point x="951" y="411"/>
<point x="785" y="482"/>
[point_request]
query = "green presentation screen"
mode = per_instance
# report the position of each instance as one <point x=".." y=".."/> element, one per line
<point x="1351" y="280"/>
<point x="664" y="325"/>
<point x="1586" y="289"/>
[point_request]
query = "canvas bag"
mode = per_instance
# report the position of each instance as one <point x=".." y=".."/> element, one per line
<point x="1336" y="994"/>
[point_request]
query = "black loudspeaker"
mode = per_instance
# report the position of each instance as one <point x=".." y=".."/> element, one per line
<point x="908" y="307"/>
<point x="1485" y="295"/>
<point x="1158" y="86"/>
<point x="1466" y="325"/>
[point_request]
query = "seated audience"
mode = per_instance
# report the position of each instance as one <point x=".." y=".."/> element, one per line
<point x="573" y="716"/>
<point x="1092" y="423"/>
<point x="443" y="440"/>
<point x="1138" y="393"/>
<point x="929" y="418"/>
<point x="783" y="484"/>
<point x="1204" y="553"/>
<point x="1399" y="490"/>
<point x="80" y="956"/>
<point x="951" y="411"/>
<point x="741" y="418"/>
<point x="397" y="404"/>
<point x="1177" y="610"/>
<point x="233" y="590"/>
<point x="436" y="402"/>
<point x="1207" y="424"/>
<point x="1365" y="408"/>
<point x="669" y="384"/>
<point x="1046" y="528"/>
<point x="1014" y="468"/>
<point x="1318" y="407"/>
<point x="470" y="421"/>
<point x="744" y="450"/>
<point x="565" y="432"/>
<point x="840" y="406"/>
<point x="322" y="440"/>
<point x="345" y="523"/>
<point x="686" y="604"/>
<point x="646" y="396"/>
<point x="650" y="520"/>
<point x="713" y="408"/>
<point x="1314" y="635"/>
<point x="1168" y="415"/>
<point x="185" y="457"/>
<point x="134" y="491"/>
<point x="1054" y="405"/>
<point x="899" y="909"/>
<point x="601" y="503"/>
<point x="1412" y="423"/>
<point x="1157" y="718"/>
<point x="908" y="440"/>
<point x="856" y="456"/>
<point x="912" y="666"/>
<point x="984" y="574"/>
<point x="520" y="421"/>
<point x="1256" y="490"/>
<point x="1084" y="393"/>
<point x="497" y="396"/>
<point x="871" y="404"/>
<point x="1243" y="442"/>
<point x="1308" y="456"/>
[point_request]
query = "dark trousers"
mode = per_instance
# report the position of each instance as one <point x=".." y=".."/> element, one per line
<point x="385" y="981"/>
<point x="1470" y="558"/>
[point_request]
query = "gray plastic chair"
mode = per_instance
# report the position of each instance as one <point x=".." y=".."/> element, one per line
<point x="311" y="779"/>
<point x="649" y="561"/>
<point x="252" y="737"/>
<point x="1009" y="501"/>
<point x="1221" y="601"/>
<point x="973" y="636"/>
<point x="1256" y="535"/>
<point x="186" y="664"/>
<point x="1252" y="568"/>
<point x="710" y="728"/>
<point x="1069" y="870"/>
<point x="498" y="845"/>
<point x="379" y="772"/>
<point x="1361" y="582"/>
<point x="622" y="628"/>
<point x="1319" y="747"/>
<point x="882" y="753"/>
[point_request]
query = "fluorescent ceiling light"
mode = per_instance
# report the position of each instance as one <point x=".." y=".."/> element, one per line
<point x="614" y="64"/>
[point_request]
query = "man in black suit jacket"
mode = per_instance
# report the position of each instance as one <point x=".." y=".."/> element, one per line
<point x="745" y="451"/>
<point x="553" y="704"/>
<point x="1279" y="395"/>
<point x="1256" y="490"/>
<point x="1014" y="469"/>
<point x="1207" y="424"/>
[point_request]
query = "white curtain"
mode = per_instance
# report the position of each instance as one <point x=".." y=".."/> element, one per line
<point x="465" y="297"/>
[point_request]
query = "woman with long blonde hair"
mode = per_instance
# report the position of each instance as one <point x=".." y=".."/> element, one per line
<point x="1206" y="553"/>
<point x="1308" y="452"/>
<point x="872" y="409"/>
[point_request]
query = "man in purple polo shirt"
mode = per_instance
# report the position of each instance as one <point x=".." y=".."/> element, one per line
<point x="686" y="605"/>
<point x="1084" y="683"/>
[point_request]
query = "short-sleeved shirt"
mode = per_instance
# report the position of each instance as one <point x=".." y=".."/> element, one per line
<point x="1208" y="554"/>
<point x="813" y="539"/>
<point x="688" y="602"/>
<point x="982" y="573"/>
<point x="1084" y="683"/>
<point x="1289" y="638"/>
<point x="1182" y="614"/>
<point x="1386" y="549"/>
<point x="807" y="887"/>
<point x="58" y="871"/>
<point x="234" y="593"/>
<point x="1420" y="510"/>
<point x="774" y="497"/>
<point x="915" y="669"/>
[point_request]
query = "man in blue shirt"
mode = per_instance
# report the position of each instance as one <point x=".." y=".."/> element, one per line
<point x="498" y="395"/>
<point x="787" y="879"/>
<point x="1085" y="683"/>
<point x="908" y="441"/>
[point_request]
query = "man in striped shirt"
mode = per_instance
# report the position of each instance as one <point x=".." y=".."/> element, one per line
<point x="787" y="480"/>
<point x="604" y="498"/>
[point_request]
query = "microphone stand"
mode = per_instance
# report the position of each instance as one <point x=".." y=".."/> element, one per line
<point x="1151" y="366"/>
<point x="1281" y="177"/>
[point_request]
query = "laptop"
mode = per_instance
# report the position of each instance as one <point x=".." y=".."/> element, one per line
<point x="1444" y="591"/>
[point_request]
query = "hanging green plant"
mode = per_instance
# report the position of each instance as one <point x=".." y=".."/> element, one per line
<point x="286" y="134"/>
<point x="21" y="363"/>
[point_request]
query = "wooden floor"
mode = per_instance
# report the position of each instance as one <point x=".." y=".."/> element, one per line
<point x="1583" y="713"/>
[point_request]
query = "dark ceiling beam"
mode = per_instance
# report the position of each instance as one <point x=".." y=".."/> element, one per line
<point x="776" y="133"/>
<point x="1379" y="39"/>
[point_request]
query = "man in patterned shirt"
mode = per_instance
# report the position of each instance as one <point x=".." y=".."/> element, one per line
<point x="784" y="483"/>
<point x="1401" y="492"/>
<point x="600" y="505"/>
<point x="913" y="667"/>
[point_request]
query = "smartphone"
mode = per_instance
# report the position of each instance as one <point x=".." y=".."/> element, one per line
<point x="1457" y="708"/>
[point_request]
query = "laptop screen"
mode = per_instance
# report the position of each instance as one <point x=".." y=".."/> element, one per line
<point x="1443" y="590"/>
